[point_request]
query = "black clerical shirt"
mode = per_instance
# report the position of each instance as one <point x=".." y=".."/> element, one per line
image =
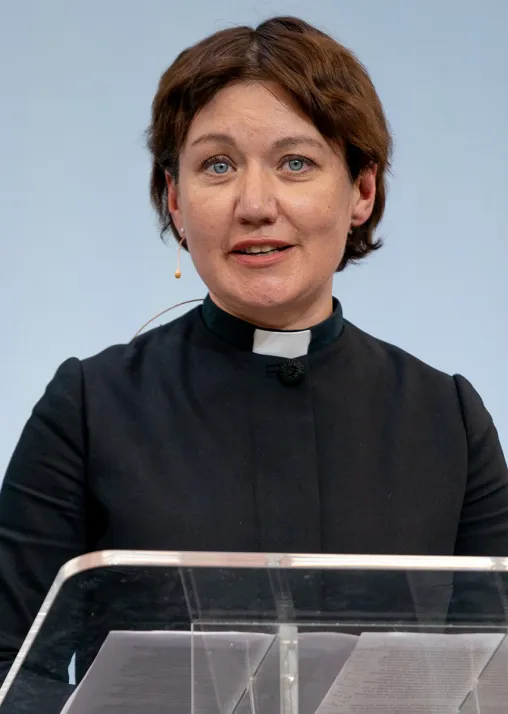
<point x="207" y="434"/>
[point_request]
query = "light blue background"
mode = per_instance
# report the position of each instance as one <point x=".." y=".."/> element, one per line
<point x="81" y="265"/>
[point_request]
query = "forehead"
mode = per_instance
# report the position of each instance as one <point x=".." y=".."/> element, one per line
<point x="260" y="108"/>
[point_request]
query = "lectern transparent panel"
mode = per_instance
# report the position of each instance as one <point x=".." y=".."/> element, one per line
<point x="200" y="633"/>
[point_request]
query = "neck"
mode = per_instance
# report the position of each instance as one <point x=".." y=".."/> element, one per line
<point x="280" y="317"/>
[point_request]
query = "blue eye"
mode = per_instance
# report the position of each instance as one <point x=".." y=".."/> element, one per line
<point x="216" y="161"/>
<point x="299" y="164"/>
<point x="221" y="164"/>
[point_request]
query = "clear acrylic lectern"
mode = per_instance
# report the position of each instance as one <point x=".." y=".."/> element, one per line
<point x="251" y="633"/>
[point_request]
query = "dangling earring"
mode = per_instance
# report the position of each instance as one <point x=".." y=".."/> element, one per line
<point x="350" y="231"/>
<point x="178" y="272"/>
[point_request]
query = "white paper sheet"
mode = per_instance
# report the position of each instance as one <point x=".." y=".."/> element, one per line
<point x="397" y="673"/>
<point x="491" y="693"/>
<point x="141" y="672"/>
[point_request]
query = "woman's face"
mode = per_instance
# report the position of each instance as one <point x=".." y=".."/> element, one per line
<point x="256" y="175"/>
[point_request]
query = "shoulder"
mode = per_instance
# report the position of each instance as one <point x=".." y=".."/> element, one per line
<point x="408" y="379"/>
<point x="395" y="364"/>
<point x="91" y="382"/>
<point x="142" y="352"/>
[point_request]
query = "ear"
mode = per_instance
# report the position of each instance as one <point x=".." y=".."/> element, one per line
<point x="173" y="202"/>
<point x="364" y="196"/>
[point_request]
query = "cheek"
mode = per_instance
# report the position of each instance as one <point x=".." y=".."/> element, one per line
<point x="205" y="217"/>
<point x="320" y="209"/>
<point x="208" y="233"/>
<point x="325" y="218"/>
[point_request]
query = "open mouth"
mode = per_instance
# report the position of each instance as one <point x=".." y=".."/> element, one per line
<point x="257" y="250"/>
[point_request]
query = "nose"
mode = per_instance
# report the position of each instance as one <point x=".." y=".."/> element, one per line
<point x="256" y="202"/>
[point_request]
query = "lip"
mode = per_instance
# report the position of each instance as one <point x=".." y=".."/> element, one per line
<point x="254" y="242"/>
<point x="263" y="260"/>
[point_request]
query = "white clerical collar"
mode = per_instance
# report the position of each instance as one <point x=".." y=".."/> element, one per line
<point x="281" y="344"/>
<point x="288" y="345"/>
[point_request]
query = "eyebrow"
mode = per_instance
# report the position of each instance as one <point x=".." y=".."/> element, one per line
<point x="286" y="142"/>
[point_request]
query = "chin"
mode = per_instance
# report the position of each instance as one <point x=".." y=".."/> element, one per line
<point x="270" y="301"/>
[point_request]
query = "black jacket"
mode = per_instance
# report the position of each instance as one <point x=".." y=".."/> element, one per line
<point x="185" y="439"/>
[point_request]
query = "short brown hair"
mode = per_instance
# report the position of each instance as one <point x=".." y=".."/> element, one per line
<point x="327" y="81"/>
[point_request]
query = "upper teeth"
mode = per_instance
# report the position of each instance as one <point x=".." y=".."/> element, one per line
<point x="260" y="248"/>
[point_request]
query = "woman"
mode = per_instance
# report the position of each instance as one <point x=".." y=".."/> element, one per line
<point x="262" y="420"/>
